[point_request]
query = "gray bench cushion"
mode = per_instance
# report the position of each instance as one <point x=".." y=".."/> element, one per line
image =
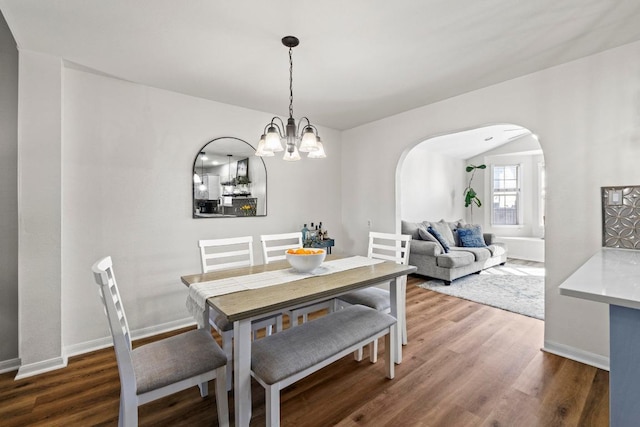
<point x="293" y="350"/>
<point x="455" y="259"/>
<point x="160" y="363"/>
<point x="371" y="297"/>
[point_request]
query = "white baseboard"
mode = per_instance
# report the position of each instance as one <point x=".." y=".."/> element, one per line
<point x="100" y="343"/>
<point x="578" y="355"/>
<point x="161" y="329"/>
<point x="37" y="368"/>
<point x="88" y="346"/>
<point x="9" y="365"/>
<point x="41" y="367"/>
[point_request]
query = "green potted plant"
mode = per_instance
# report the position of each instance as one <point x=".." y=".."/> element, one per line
<point x="470" y="195"/>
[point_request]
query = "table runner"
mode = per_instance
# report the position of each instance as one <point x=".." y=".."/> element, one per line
<point x="199" y="292"/>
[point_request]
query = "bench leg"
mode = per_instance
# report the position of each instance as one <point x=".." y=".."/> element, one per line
<point x="390" y="352"/>
<point x="373" y="351"/>
<point x="357" y="355"/>
<point x="272" y="399"/>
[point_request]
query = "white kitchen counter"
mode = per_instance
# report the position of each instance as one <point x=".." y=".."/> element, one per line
<point x="611" y="276"/>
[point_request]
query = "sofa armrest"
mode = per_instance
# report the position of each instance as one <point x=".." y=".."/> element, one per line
<point x="489" y="238"/>
<point x="424" y="247"/>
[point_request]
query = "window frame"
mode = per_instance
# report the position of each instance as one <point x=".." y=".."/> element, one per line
<point x="542" y="193"/>
<point x="517" y="192"/>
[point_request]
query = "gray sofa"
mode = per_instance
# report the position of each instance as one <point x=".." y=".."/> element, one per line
<point x="431" y="260"/>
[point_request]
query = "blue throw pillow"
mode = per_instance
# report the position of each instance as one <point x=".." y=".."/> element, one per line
<point x="439" y="238"/>
<point x="471" y="237"/>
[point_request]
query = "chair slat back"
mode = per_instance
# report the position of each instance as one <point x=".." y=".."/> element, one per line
<point x="275" y="246"/>
<point x="221" y="254"/>
<point x="389" y="247"/>
<point x="110" y="296"/>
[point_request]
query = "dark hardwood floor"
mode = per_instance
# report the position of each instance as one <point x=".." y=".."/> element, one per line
<point x="466" y="364"/>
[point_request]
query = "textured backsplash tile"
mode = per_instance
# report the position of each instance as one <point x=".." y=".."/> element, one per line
<point x="621" y="217"/>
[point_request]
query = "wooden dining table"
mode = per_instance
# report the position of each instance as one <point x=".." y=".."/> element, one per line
<point x="242" y="307"/>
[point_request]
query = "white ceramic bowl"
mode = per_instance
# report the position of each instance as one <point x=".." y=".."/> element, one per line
<point x="305" y="263"/>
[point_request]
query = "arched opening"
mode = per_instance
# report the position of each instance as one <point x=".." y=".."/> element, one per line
<point x="503" y="166"/>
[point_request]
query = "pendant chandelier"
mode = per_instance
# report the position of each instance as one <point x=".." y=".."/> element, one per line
<point x="203" y="157"/>
<point x="300" y="138"/>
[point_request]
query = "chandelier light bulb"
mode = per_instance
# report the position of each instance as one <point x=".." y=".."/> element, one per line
<point x="291" y="155"/>
<point x="261" y="148"/>
<point x="309" y="140"/>
<point x="319" y="153"/>
<point x="272" y="140"/>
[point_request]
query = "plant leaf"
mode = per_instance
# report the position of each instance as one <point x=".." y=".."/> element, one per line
<point x="482" y="167"/>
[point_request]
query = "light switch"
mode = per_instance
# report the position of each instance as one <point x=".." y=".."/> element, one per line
<point x="615" y="197"/>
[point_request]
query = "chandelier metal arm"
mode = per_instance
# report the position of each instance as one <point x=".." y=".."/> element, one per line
<point x="279" y="128"/>
<point x="308" y="125"/>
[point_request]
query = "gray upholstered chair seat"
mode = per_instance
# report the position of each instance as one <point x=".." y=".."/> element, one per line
<point x="173" y="359"/>
<point x="293" y="350"/>
<point x="371" y="297"/>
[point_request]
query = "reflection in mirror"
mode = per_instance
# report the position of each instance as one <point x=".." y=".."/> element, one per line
<point x="228" y="180"/>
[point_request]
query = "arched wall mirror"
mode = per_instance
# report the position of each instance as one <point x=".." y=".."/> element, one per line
<point x="228" y="180"/>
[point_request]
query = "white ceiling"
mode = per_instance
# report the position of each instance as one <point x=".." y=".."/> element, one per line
<point x="470" y="143"/>
<point x="358" y="60"/>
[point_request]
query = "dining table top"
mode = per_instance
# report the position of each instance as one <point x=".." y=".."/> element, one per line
<point x="256" y="302"/>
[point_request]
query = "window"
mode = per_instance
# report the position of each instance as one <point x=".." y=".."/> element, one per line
<point x="505" y="193"/>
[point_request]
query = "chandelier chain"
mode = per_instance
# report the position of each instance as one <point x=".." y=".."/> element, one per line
<point x="290" y="82"/>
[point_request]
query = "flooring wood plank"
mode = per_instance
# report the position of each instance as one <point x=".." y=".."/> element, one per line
<point x="466" y="364"/>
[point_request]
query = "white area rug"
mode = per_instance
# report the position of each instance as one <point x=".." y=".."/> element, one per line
<point x="512" y="287"/>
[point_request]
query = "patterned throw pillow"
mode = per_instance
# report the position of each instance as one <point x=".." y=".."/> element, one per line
<point x="471" y="237"/>
<point x="440" y="239"/>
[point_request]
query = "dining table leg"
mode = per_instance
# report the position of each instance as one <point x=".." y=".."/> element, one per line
<point x="397" y="311"/>
<point x="242" y="371"/>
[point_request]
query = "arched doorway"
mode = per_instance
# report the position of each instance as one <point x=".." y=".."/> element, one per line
<point x="432" y="178"/>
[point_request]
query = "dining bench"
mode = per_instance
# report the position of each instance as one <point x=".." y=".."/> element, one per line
<point x="280" y="360"/>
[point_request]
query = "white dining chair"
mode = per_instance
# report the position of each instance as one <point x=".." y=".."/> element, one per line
<point x="274" y="248"/>
<point x="222" y="254"/>
<point x="162" y="367"/>
<point x="388" y="247"/>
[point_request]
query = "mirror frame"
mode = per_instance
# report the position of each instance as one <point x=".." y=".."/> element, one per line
<point x="194" y="171"/>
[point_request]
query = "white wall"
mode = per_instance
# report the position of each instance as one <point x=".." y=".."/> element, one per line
<point x="40" y="210"/>
<point x="126" y="153"/>
<point x="432" y="186"/>
<point x="8" y="199"/>
<point x="587" y="116"/>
